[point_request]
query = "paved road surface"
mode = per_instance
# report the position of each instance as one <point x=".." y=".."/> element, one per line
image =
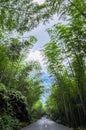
<point x="45" y="124"/>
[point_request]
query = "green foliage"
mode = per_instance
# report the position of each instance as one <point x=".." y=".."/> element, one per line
<point x="13" y="102"/>
<point x="7" y="122"/>
<point x="21" y="17"/>
<point x="37" y="111"/>
<point x="66" y="55"/>
<point x="18" y="88"/>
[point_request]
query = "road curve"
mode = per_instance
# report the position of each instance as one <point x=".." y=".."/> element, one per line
<point x="45" y="124"/>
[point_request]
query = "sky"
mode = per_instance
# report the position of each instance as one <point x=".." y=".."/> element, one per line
<point x="39" y="1"/>
<point x="42" y="38"/>
<point x="40" y="32"/>
<point x="35" y="54"/>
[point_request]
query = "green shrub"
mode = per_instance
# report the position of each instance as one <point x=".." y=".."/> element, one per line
<point x="18" y="105"/>
<point x="13" y="109"/>
<point x="9" y="123"/>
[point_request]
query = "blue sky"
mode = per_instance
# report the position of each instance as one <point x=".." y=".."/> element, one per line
<point x="47" y="83"/>
<point x="35" y="54"/>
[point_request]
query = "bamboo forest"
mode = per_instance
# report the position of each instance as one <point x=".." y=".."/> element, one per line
<point x="24" y="96"/>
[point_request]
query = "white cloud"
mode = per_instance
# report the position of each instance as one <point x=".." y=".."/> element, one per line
<point x="41" y="34"/>
<point x="36" y="56"/>
<point x="39" y="1"/>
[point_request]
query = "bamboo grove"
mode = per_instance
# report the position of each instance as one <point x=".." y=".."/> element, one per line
<point x="66" y="58"/>
<point x="65" y="55"/>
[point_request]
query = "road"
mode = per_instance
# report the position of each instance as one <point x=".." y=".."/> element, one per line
<point x="45" y="124"/>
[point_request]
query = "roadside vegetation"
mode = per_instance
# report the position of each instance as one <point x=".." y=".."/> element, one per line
<point x="20" y="87"/>
<point x="66" y="59"/>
